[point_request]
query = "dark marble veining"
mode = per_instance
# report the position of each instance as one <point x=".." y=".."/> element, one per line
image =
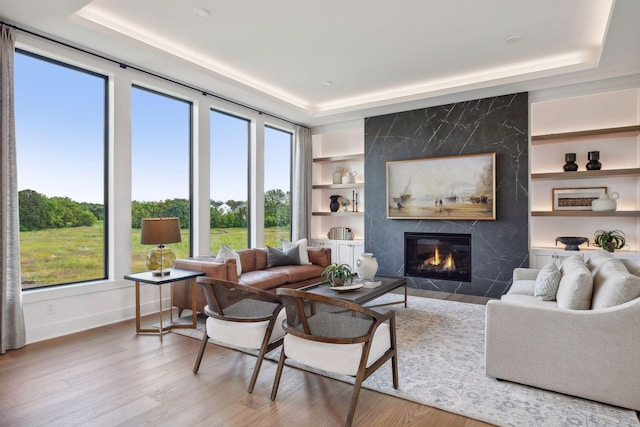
<point x="497" y="125"/>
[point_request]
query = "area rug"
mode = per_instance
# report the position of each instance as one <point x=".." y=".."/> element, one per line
<point x="441" y="364"/>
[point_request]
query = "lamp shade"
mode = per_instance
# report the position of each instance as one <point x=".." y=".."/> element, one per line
<point x="160" y="231"/>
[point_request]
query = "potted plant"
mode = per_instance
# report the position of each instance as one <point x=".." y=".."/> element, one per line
<point x="609" y="240"/>
<point x="345" y="203"/>
<point x="337" y="274"/>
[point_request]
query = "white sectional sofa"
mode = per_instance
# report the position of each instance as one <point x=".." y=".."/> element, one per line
<point x="588" y="351"/>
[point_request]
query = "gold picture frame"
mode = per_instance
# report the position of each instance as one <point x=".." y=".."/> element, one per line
<point x="447" y="188"/>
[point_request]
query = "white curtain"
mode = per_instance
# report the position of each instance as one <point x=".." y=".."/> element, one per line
<point x="12" y="331"/>
<point x="301" y="187"/>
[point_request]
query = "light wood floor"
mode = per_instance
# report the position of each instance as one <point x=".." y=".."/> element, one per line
<point x="109" y="376"/>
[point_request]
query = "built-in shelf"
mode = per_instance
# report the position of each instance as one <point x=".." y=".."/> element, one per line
<point x="586" y="135"/>
<point x="334" y="159"/>
<point x="337" y="213"/>
<point x="338" y="186"/>
<point x="587" y="213"/>
<point x="609" y="173"/>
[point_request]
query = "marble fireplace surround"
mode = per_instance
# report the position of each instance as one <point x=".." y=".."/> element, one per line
<point x="498" y="124"/>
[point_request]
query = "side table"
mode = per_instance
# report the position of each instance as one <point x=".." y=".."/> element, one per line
<point x="176" y="275"/>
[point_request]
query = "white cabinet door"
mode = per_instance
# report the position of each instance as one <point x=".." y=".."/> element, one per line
<point x="348" y="252"/>
<point x="541" y="257"/>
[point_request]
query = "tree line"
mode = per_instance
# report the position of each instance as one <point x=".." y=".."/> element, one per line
<point x="39" y="212"/>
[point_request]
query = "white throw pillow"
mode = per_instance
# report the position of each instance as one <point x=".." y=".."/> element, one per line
<point x="302" y="245"/>
<point x="613" y="285"/>
<point x="598" y="258"/>
<point x="226" y="252"/>
<point x="547" y="283"/>
<point x="576" y="285"/>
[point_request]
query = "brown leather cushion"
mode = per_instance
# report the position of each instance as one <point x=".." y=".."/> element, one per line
<point x="264" y="279"/>
<point x="211" y="266"/>
<point x="298" y="273"/>
<point x="318" y="256"/>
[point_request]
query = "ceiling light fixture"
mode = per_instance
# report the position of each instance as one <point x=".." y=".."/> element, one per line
<point x="327" y="83"/>
<point x="202" y="12"/>
<point x="513" y="39"/>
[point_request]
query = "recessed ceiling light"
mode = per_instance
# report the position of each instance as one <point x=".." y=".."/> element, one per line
<point x="513" y="39"/>
<point x="202" y="12"/>
<point x="327" y="83"/>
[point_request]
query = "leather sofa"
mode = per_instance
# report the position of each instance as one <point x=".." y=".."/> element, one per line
<point x="254" y="273"/>
<point x="593" y="352"/>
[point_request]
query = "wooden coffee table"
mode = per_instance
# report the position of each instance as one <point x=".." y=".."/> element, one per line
<point x="363" y="295"/>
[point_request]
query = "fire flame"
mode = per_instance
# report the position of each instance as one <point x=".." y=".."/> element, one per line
<point x="436" y="258"/>
<point x="448" y="264"/>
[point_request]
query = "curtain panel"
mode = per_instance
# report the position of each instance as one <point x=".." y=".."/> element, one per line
<point x="12" y="329"/>
<point x="301" y="186"/>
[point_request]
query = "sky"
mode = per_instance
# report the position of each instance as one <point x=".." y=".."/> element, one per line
<point x="60" y="140"/>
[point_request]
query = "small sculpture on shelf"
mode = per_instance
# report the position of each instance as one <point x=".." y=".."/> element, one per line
<point x="334" y="205"/>
<point x="571" y="165"/>
<point x="594" y="164"/>
<point x="337" y="175"/>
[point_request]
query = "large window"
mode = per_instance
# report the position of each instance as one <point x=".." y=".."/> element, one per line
<point x="160" y="167"/>
<point x="229" y="181"/>
<point x="277" y="186"/>
<point x="61" y="139"/>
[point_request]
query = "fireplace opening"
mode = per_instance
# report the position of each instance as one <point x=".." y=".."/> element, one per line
<point x="441" y="256"/>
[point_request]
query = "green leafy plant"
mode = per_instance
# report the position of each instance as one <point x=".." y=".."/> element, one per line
<point x="337" y="275"/>
<point x="609" y="240"/>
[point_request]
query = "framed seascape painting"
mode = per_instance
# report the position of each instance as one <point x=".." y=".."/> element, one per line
<point x="453" y="187"/>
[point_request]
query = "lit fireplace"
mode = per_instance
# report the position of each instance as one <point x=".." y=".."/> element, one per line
<point x="441" y="256"/>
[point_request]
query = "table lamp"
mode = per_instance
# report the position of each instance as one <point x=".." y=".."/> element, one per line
<point x="160" y="231"/>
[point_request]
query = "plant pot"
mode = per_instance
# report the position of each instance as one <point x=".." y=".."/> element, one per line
<point x="610" y="246"/>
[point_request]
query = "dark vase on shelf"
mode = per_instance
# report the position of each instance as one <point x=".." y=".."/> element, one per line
<point x="571" y="165"/>
<point x="334" y="205"/>
<point x="594" y="164"/>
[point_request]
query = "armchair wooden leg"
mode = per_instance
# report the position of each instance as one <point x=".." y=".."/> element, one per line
<point x="354" y="399"/>
<point x="276" y="381"/>
<point x="256" y="370"/>
<point x="394" y="370"/>
<point x="203" y="346"/>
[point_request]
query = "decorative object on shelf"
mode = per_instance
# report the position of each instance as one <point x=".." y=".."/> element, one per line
<point x="366" y="266"/>
<point x="160" y="231"/>
<point x="338" y="275"/>
<point x="344" y="202"/>
<point x="572" y="243"/>
<point x="571" y="165"/>
<point x="605" y="202"/>
<point x="609" y="240"/>
<point x="337" y="175"/>
<point x="340" y="233"/>
<point x="470" y="196"/>
<point x="355" y="202"/>
<point x="349" y="177"/>
<point x="335" y="203"/>
<point x="594" y="164"/>
<point x="576" y="199"/>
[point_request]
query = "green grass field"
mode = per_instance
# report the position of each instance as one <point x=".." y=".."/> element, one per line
<point x="69" y="255"/>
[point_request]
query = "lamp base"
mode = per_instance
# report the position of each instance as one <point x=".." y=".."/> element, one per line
<point x="160" y="260"/>
<point x="163" y="272"/>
